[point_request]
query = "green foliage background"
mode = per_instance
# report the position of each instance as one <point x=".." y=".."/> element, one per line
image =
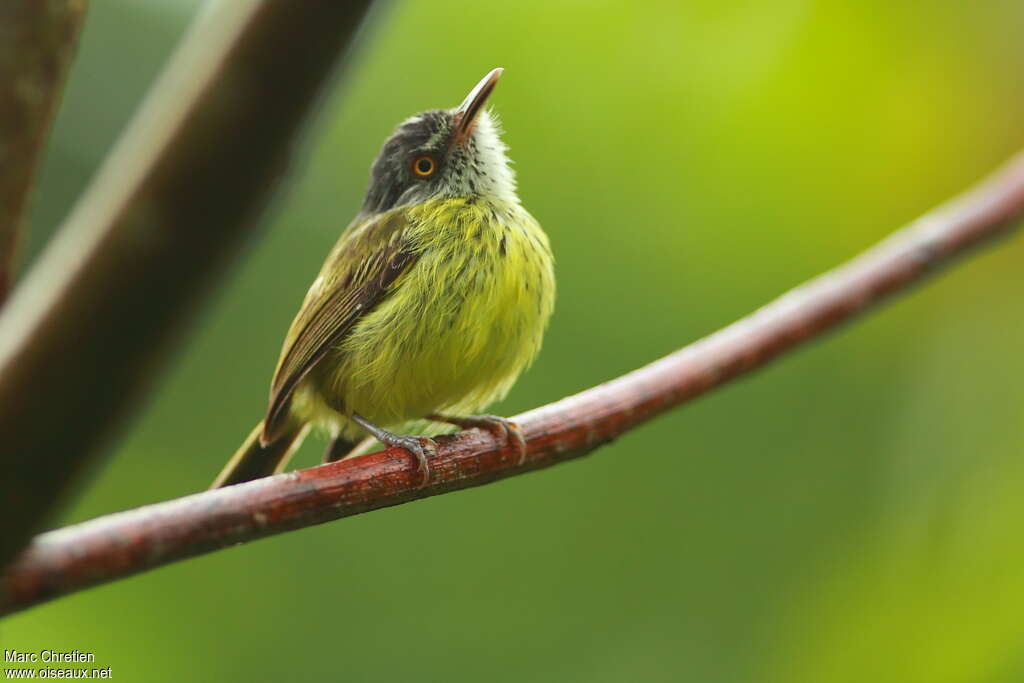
<point x="853" y="513"/>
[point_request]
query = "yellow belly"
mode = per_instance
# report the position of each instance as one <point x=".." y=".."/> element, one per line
<point x="458" y="329"/>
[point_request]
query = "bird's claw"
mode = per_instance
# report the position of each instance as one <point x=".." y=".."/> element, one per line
<point x="504" y="430"/>
<point x="420" y="447"/>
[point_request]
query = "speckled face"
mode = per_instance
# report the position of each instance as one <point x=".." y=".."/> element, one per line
<point x="427" y="157"/>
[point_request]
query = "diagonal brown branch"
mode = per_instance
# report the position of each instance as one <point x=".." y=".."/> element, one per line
<point x="119" y="545"/>
<point x="37" y="41"/>
<point x="81" y="338"/>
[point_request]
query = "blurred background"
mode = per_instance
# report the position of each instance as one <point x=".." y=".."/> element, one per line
<point x="852" y="513"/>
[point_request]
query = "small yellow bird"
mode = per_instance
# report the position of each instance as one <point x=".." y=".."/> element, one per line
<point x="433" y="301"/>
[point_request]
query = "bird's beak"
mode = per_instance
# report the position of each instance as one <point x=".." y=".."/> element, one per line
<point x="466" y="114"/>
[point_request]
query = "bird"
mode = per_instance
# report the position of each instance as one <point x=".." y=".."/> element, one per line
<point x="434" y="300"/>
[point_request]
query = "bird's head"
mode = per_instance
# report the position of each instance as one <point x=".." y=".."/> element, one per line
<point x="443" y="153"/>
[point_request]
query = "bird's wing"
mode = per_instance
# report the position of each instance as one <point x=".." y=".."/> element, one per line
<point x="358" y="275"/>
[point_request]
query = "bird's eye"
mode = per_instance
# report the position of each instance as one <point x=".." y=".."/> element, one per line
<point x="423" y="166"/>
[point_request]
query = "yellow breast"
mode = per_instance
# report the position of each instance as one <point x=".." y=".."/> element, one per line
<point x="459" y="327"/>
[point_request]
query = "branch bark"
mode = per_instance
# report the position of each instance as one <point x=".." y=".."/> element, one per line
<point x="37" y="42"/>
<point x="119" y="545"/>
<point x="80" y="339"/>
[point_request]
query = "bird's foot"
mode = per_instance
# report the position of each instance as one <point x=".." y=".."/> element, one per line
<point x="504" y="430"/>
<point x="421" y="447"/>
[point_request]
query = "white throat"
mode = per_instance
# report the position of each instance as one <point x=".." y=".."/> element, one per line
<point x="489" y="172"/>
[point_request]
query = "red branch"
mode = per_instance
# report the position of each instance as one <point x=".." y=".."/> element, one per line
<point x="118" y="545"/>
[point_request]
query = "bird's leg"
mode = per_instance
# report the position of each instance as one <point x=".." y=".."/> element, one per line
<point x="504" y="430"/>
<point x="341" y="448"/>
<point x="421" y="447"/>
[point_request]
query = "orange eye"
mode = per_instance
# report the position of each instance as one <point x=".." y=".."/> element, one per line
<point x="423" y="166"/>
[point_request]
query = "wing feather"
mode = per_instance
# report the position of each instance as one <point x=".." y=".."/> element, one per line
<point x="358" y="275"/>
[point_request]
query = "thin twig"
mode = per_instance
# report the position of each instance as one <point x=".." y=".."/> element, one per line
<point x="37" y="42"/>
<point x="83" y="335"/>
<point x="119" y="545"/>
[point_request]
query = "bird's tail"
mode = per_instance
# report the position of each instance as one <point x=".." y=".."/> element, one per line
<point x="253" y="461"/>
